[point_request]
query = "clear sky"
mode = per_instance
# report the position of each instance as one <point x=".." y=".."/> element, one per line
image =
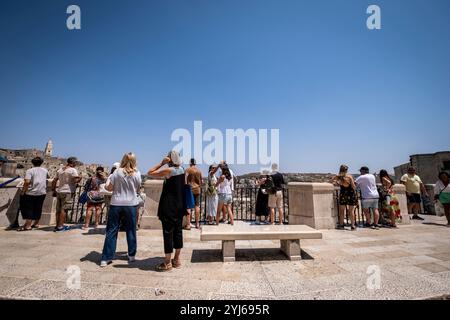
<point x="137" y="70"/>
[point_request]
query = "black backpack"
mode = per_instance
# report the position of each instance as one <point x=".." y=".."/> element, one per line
<point x="270" y="186"/>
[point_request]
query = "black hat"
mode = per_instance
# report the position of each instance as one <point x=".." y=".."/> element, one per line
<point x="364" y="169"/>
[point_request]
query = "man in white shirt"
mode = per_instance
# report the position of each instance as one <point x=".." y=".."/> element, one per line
<point x="34" y="191"/>
<point x="366" y="183"/>
<point x="68" y="180"/>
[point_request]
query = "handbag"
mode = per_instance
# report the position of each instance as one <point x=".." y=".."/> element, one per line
<point x="83" y="197"/>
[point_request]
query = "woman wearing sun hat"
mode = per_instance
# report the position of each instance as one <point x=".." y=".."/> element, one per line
<point x="171" y="207"/>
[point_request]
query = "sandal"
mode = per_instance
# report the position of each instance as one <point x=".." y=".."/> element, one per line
<point x="163" y="267"/>
<point x="24" y="229"/>
<point x="176" y="264"/>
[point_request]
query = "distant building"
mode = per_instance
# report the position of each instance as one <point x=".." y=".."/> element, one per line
<point x="49" y="148"/>
<point x="20" y="160"/>
<point x="427" y="166"/>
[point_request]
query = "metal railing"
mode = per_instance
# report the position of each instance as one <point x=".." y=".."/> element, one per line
<point x="244" y="205"/>
<point x="359" y="215"/>
<point x="77" y="212"/>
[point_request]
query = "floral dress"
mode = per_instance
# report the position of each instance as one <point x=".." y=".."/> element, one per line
<point x="390" y="202"/>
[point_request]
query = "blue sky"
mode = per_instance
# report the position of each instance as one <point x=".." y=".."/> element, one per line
<point x="338" y="92"/>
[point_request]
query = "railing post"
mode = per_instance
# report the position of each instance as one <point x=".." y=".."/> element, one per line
<point x="153" y="189"/>
<point x="312" y="204"/>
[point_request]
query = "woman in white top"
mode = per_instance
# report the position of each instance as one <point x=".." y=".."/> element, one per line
<point x="124" y="184"/>
<point x="442" y="193"/>
<point x="224" y="185"/>
<point x="211" y="195"/>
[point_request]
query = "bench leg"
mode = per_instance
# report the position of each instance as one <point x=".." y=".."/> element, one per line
<point x="228" y="251"/>
<point x="291" y="248"/>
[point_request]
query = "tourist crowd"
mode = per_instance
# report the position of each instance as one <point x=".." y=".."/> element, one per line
<point x="120" y="192"/>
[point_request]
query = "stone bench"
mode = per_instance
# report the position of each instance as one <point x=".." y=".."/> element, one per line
<point x="289" y="236"/>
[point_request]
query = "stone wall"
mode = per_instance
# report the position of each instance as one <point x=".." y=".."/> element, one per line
<point x="10" y="200"/>
<point x="428" y="166"/>
<point x="312" y="204"/>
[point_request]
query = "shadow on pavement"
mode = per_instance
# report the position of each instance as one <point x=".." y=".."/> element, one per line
<point x="259" y="254"/>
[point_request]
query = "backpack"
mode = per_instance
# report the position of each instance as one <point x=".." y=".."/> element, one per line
<point x="94" y="196"/>
<point x="270" y="186"/>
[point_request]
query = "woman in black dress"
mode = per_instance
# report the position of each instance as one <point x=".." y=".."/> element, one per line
<point x="262" y="200"/>
<point x="171" y="208"/>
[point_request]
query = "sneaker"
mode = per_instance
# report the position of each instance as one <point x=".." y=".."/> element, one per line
<point x="353" y="228"/>
<point x="105" y="263"/>
<point x="416" y="217"/>
<point x="131" y="258"/>
<point x="340" y="227"/>
<point x="258" y="222"/>
<point x="62" y="229"/>
<point x="367" y="225"/>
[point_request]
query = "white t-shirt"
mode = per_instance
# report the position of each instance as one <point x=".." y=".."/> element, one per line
<point x="125" y="188"/>
<point x="226" y="186"/>
<point x="439" y="187"/>
<point x="38" y="181"/>
<point x="219" y="173"/>
<point x="368" y="186"/>
<point x="65" y="178"/>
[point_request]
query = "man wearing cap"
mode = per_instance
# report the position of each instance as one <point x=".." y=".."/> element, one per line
<point x="366" y="183"/>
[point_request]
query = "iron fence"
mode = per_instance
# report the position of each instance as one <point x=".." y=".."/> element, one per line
<point x="77" y="212"/>
<point x="244" y="205"/>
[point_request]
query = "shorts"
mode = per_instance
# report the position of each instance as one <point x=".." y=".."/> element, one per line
<point x="64" y="201"/>
<point x="414" y="198"/>
<point x="276" y="200"/>
<point x="197" y="200"/>
<point x="369" y="203"/>
<point x="225" y="198"/>
<point x="31" y="206"/>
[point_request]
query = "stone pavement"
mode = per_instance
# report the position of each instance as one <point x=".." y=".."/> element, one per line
<point x="414" y="261"/>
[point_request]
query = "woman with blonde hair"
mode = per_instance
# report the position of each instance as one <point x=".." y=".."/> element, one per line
<point x="124" y="184"/>
<point x="347" y="196"/>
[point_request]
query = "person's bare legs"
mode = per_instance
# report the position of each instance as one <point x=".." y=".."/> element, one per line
<point x="197" y="217"/>
<point x="376" y="216"/>
<point x="447" y="213"/>
<point x="367" y="214"/>
<point x="230" y="214"/>
<point x="416" y="209"/>
<point x="88" y="217"/>
<point x="98" y="212"/>
<point x="352" y="216"/>
<point x="224" y="213"/>
<point x="27" y="224"/>
<point x="176" y="258"/>
<point x="219" y="211"/>
<point x="272" y="215"/>
<point x="188" y="217"/>
<point x="62" y="218"/>
<point x="410" y="208"/>
<point x="342" y="214"/>
<point x="280" y="215"/>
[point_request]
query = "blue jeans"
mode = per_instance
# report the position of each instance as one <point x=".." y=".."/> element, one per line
<point x="112" y="229"/>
